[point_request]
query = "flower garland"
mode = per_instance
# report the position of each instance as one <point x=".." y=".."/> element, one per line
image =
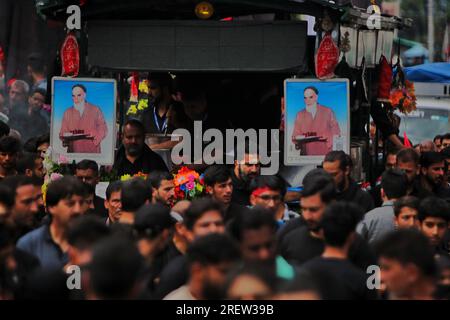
<point x="53" y="171"/>
<point x="139" y="97"/>
<point x="188" y="184"/>
<point x="140" y="174"/>
<point x="403" y="97"/>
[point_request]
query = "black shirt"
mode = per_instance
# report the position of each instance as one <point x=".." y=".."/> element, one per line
<point x="147" y="162"/>
<point x="299" y="246"/>
<point x="339" y="279"/>
<point x="356" y="195"/>
<point x="173" y="276"/>
<point x="241" y="193"/>
<point x="99" y="207"/>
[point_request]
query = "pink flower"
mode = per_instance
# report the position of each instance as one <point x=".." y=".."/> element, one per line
<point x="55" y="176"/>
<point x="63" y="159"/>
<point x="190" y="185"/>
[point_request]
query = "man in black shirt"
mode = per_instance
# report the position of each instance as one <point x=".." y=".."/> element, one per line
<point x="163" y="188"/>
<point x="219" y="186"/>
<point x="332" y="268"/>
<point x="134" y="155"/>
<point x="338" y="165"/>
<point x="87" y="171"/>
<point x="306" y="241"/>
<point x="245" y="170"/>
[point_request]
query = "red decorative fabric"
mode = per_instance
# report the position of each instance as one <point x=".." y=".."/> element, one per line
<point x="327" y="57"/>
<point x="384" y="80"/>
<point x="70" y="56"/>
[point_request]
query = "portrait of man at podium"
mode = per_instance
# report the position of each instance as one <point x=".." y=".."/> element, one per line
<point x="83" y="125"/>
<point x="317" y="119"/>
<point x="83" y="119"/>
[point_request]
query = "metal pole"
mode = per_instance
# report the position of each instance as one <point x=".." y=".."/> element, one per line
<point x="430" y="30"/>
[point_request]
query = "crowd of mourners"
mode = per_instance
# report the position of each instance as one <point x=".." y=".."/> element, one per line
<point x="242" y="240"/>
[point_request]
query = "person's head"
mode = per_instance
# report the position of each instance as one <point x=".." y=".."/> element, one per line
<point x="427" y="146"/>
<point x="204" y="216"/>
<point x="339" y="222"/>
<point x="219" y="184"/>
<point x="210" y="258"/>
<point x="408" y="160"/>
<point x="37" y="99"/>
<point x="152" y="228"/>
<point x="432" y="167"/>
<point x="4" y="129"/>
<point x="391" y="159"/>
<point x="437" y="140"/>
<point x="36" y="64"/>
<point x="113" y="202"/>
<point x="89" y="198"/>
<point x="310" y="96"/>
<point x="87" y="171"/>
<point x="18" y="93"/>
<point x="28" y="202"/>
<point x="256" y="233"/>
<point x="82" y="235"/>
<point x="267" y="192"/>
<point x="434" y="215"/>
<point x="445" y="141"/>
<point x="9" y="149"/>
<point x="79" y="95"/>
<point x="31" y="165"/>
<point x="116" y="270"/>
<point x="443" y="263"/>
<point x="163" y="187"/>
<point x="42" y="144"/>
<point x="248" y="167"/>
<point x="406" y="210"/>
<point x="336" y="163"/>
<point x="394" y="184"/>
<point x="159" y="87"/>
<point x="191" y="92"/>
<point x="318" y="192"/>
<point x="135" y="193"/>
<point x="250" y="281"/>
<point x="406" y="259"/>
<point x="178" y="212"/>
<point x="133" y="137"/>
<point x="65" y="200"/>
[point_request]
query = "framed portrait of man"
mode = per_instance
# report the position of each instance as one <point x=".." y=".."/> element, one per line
<point x="83" y="119"/>
<point x="317" y="119"/>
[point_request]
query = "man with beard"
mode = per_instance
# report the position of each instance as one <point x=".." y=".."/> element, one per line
<point x="380" y="221"/>
<point x="434" y="216"/>
<point x="33" y="123"/>
<point x="31" y="165"/>
<point x="408" y="160"/>
<point x="208" y="268"/>
<point x="432" y="168"/>
<point x="28" y="203"/>
<point x="134" y="155"/>
<point x="86" y="118"/>
<point x="9" y="149"/>
<point x="87" y="171"/>
<point x="337" y="164"/>
<point x="18" y="96"/>
<point x="64" y="201"/>
<point x="245" y="170"/>
<point x="163" y="188"/>
<point x="306" y="240"/>
<point x="219" y="185"/>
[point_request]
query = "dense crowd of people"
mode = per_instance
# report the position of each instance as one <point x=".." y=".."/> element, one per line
<point x="240" y="240"/>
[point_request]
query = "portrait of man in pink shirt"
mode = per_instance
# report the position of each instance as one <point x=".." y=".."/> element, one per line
<point x="83" y="126"/>
<point x="315" y="126"/>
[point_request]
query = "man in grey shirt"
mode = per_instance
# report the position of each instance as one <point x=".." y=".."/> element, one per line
<point x="379" y="221"/>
